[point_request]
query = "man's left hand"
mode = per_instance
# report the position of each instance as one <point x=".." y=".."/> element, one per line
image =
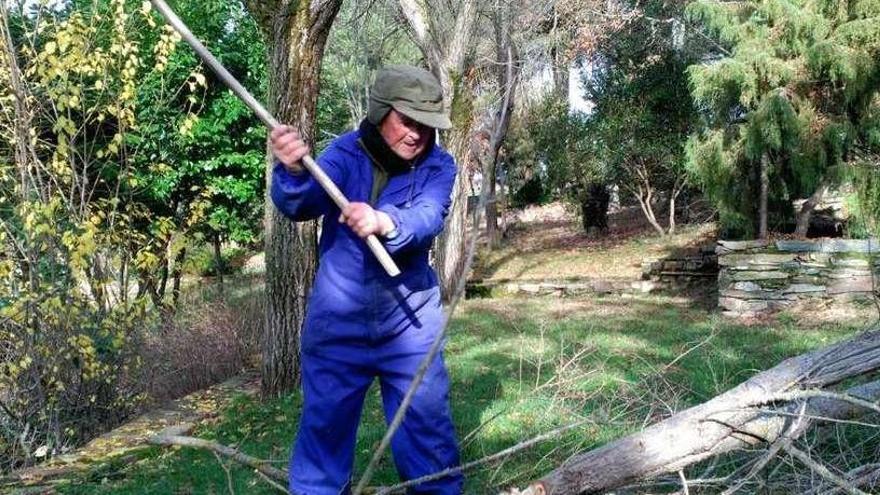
<point x="365" y="221"/>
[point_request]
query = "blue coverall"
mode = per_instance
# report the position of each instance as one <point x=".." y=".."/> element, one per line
<point x="361" y="323"/>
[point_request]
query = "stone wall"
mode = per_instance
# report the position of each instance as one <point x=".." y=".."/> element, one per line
<point x="698" y="267"/>
<point x="759" y="276"/>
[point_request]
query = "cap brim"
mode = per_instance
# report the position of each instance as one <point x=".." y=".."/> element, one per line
<point x="431" y="119"/>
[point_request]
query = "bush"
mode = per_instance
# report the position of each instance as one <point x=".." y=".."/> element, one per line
<point x="531" y="193"/>
<point x="211" y="338"/>
<point x="200" y="260"/>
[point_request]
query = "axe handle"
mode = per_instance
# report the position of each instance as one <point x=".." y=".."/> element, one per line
<point x="323" y="179"/>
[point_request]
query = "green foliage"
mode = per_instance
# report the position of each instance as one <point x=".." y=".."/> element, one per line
<point x="552" y="149"/>
<point x="532" y="192"/>
<point x="796" y="81"/>
<point x="201" y="260"/>
<point x="865" y="176"/>
<point x="643" y="111"/>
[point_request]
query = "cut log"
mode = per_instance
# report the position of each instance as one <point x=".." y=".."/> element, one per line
<point x="755" y="412"/>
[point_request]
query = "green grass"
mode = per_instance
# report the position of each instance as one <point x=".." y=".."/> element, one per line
<point x="519" y="368"/>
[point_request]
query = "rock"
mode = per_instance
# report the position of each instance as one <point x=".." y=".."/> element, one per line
<point x="752" y="296"/>
<point x="749" y="260"/>
<point x="847" y="285"/>
<point x="756" y="275"/>
<point x="803" y="288"/>
<point x="743" y="306"/>
<point x="748" y="287"/>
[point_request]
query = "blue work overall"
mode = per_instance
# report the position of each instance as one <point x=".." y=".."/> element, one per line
<point x="362" y="324"/>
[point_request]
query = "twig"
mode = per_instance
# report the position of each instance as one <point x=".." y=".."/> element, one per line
<point x="234" y="454"/>
<point x="684" y="482"/>
<point x="823" y="471"/>
<point x="470" y="465"/>
<point x="226" y="470"/>
<point x="783" y="441"/>
<point x="272" y="482"/>
<point x="685" y="353"/>
<point x="860" y="476"/>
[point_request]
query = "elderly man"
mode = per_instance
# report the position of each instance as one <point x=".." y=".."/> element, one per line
<point x="362" y="324"/>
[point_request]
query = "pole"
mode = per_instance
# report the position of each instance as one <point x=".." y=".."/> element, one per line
<point x="323" y="179"/>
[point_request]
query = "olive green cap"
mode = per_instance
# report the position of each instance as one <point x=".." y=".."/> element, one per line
<point x="412" y="91"/>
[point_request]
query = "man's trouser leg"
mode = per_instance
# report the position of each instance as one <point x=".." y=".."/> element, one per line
<point x="425" y="442"/>
<point x="333" y="397"/>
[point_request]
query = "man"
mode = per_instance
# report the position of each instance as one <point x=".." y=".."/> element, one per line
<point x="361" y="323"/>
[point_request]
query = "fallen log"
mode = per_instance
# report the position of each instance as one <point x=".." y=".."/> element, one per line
<point x="758" y="411"/>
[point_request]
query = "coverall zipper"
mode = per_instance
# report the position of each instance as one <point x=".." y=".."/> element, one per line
<point x="412" y="185"/>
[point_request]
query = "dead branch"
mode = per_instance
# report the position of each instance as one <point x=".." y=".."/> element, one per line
<point x="260" y="465"/>
<point x="730" y="421"/>
<point x="823" y="471"/>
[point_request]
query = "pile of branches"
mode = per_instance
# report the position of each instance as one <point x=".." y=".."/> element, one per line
<point x="770" y="420"/>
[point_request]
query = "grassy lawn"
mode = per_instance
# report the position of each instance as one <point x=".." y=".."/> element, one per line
<point x="520" y="367"/>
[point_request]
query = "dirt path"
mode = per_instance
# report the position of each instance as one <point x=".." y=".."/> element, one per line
<point x="182" y="414"/>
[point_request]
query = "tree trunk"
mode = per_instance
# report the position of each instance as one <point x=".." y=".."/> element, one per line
<point x="218" y="259"/>
<point x="558" y="58"/>
<point x="765" y="193"/>
<point x="297" y="34"/>
<point x="178" y="274"/>
<point x="645" y="195"/>
<point x="446" y="58"/>
<point x="673" y="197"/>
<point x="806" y="212"/>
<point x="594" y="209"/>
<point x="742" y="418"/>
<point x="508" y="77"/>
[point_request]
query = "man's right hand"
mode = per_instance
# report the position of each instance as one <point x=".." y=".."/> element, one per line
<point x="288" y="148"/>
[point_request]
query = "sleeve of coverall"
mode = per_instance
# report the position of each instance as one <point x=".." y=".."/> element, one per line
<point x="300" y="196"/>
<point x="420" y="223"/>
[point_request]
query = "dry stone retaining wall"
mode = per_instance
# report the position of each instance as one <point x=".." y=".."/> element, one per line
<point x="759" y="276"/>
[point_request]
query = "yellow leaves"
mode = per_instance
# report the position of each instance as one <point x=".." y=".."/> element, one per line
<point x="168" y="41"/>
<point x="186" y="126"/>
<point x="7" y="268"/>
<point x="50" y="48"/>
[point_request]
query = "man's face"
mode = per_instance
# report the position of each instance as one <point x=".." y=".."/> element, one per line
<point x="406" y="137"/>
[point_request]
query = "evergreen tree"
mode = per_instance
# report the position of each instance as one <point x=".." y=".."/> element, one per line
<point x="791" y="102"/>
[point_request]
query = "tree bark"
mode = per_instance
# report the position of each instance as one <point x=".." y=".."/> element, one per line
<point x="737" y="419"/>
<point x="673" y="197"/>
<point x="218" y="259"/>
<point x="508" y="78"/>
<point x="558" y="59"/>
<point x="765" y="193"/>
<point x="806" y="212"/>
<point x="297" y="34"/>
<point x="178" y="274"/>
<point x="446" y="57"/>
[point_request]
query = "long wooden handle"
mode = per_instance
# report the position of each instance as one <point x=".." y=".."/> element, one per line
<point x="335" y="194"/>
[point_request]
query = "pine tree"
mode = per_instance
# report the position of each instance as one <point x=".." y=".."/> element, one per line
<point x="791" y="97"/>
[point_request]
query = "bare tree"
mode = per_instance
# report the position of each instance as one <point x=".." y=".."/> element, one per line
<point x="445" y="39"/>
<point x="297" y="34"/>
<point x="508" y="73"/>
